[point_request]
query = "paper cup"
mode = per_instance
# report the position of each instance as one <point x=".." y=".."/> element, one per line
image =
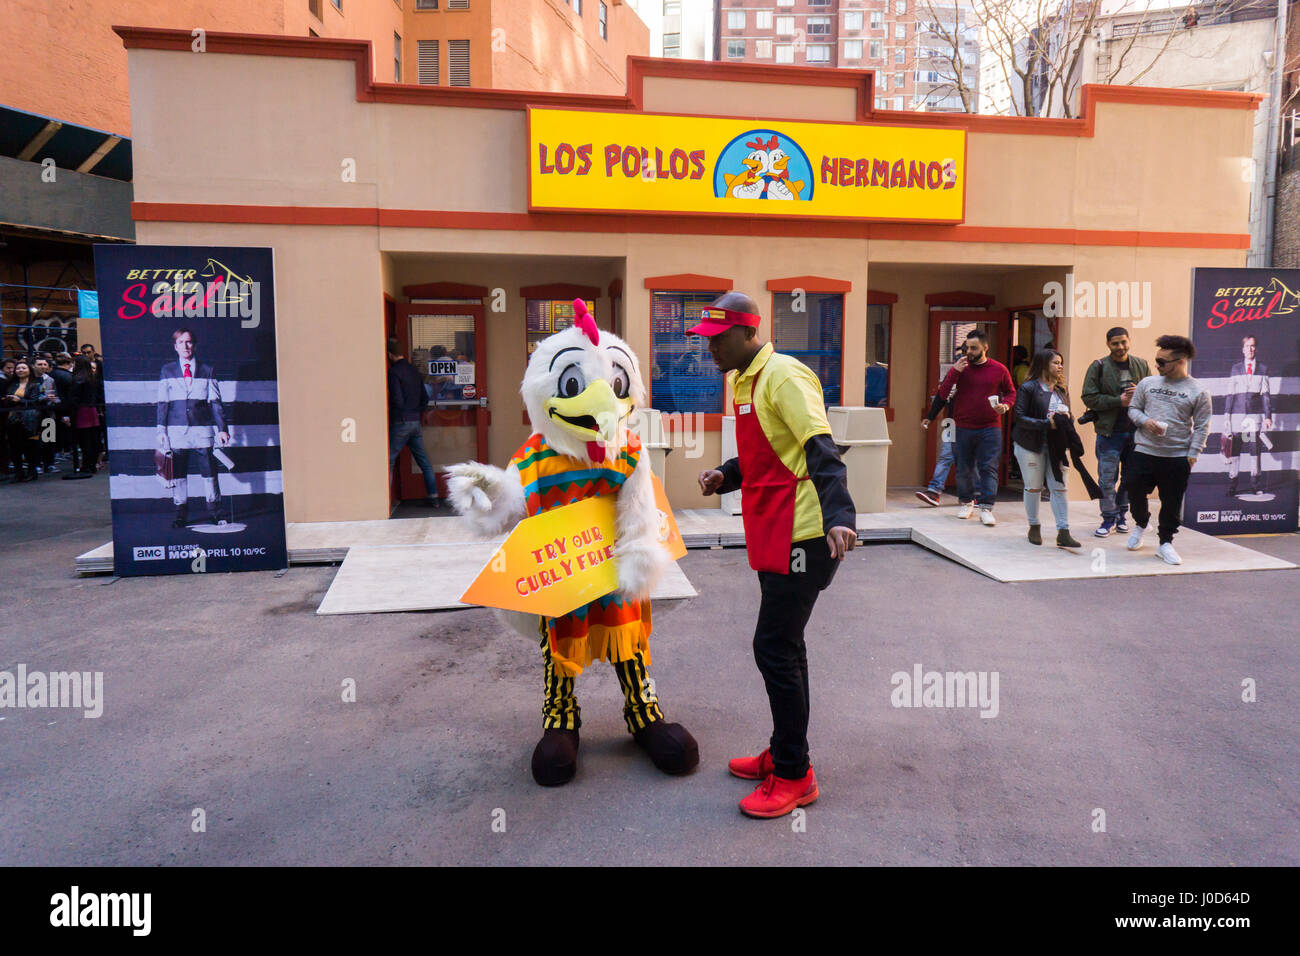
<point x="993" y="401"/>
<point x="1164" y="427"/>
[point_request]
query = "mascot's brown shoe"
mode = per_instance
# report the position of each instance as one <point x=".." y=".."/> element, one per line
<point x="555" y="758"/>
<point x="671" y="747"/>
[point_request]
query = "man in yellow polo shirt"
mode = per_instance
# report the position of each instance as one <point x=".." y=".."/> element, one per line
<point x="799" y="523"/>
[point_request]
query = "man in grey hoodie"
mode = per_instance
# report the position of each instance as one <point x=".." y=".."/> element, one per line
<point x="1171" y="411"/>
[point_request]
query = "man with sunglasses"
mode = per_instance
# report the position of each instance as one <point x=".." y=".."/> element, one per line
<point x="1171" y="411"/>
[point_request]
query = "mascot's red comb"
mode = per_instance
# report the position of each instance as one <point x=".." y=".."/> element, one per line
<point x="583" y="320"/>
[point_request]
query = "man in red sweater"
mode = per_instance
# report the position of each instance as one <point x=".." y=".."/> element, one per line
<point x="985" y="393"/>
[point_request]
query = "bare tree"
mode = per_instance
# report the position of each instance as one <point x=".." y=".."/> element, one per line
<point x="953" y="37"/>
<point x="1038" y="48"/>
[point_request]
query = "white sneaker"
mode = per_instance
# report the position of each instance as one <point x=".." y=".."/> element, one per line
<point x="986" y="518"/>
<point x="1135" y="537"/>
<point x="1167" y="554"/>
<point x="965" y="510"/>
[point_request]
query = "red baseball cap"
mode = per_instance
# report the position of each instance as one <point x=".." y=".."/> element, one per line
<point x="715" y="320"/>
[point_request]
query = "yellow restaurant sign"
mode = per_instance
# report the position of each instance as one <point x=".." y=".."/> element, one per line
<point x="589" y="161"/>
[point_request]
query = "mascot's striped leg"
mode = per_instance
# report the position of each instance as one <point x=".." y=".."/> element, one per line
<point x="555" y="759"/>
<point x="560" y="710"/>
<point x="641" y="708"/>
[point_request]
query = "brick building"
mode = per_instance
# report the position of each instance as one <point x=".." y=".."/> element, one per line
<point x="64" y="60"/>
<point x="912" y="45"/>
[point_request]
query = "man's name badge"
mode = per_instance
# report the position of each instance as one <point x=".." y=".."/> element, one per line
<point x="743" y="409"/>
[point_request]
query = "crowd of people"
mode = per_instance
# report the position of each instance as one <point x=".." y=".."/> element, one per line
<point x="1150" y="430"/>
<point x="52" y="415"/>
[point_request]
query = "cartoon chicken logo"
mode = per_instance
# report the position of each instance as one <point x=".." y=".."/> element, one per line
<point x="764" y="172"/>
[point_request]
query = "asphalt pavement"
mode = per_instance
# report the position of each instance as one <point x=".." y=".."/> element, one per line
<point x="1120" y="734"/>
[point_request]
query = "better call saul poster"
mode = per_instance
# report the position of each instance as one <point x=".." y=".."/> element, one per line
<point x="193" y="411"/>
<point x="1246" y="329"/>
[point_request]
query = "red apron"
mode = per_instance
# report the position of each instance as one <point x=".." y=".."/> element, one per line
<point x="767" y="493"/>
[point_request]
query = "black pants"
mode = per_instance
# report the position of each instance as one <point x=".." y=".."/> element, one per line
<point x="780" y="652"/>
<point x="88" y="443"/>
<point x="22" y="450"/>
<point x="1169" y="476"/>
<point x="45" y="451"/>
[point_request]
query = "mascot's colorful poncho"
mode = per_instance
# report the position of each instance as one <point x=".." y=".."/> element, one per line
<point x="579" y="388"/>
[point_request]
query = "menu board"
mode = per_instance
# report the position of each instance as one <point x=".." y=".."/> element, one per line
<point x="543" y="317"/>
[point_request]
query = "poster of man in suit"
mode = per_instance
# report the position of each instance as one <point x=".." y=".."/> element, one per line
<point x="193" y="408"/>
<point x="1246" y="328"/>
<point x="1247" y="417"/>
<point x="191" y="421"/>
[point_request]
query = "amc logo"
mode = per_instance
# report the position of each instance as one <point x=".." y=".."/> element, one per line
<point x="1207" y="517"/>
<point x="148" y="554"/>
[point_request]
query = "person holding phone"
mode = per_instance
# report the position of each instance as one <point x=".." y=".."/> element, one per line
<point x="984" y="393"/>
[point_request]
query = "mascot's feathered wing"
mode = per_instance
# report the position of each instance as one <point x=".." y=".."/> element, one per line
<point x="580" y="386"/>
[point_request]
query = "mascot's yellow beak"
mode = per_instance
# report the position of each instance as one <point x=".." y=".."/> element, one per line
<point x="593" y="415"/>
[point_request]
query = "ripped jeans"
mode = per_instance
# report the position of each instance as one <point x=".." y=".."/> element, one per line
<point x="1036" y="469"/>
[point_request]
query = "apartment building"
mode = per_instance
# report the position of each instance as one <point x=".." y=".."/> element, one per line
<point x="679" y="29"/>
<point x="909" y="44"/>
<point x="63" y="60"/>
<point x="570" y="46"/>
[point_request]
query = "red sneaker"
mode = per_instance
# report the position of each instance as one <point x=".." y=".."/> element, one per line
<point x="776" y="796"/>
<point x="752" y="768"/>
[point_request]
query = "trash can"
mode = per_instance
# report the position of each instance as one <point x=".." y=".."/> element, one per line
<point x="862" y="436"/>
<point x="730" y="502"/>
<point x="648" y="423"/>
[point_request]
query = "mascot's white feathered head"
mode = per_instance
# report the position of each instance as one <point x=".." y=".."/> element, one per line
<point x="580" y="387"/>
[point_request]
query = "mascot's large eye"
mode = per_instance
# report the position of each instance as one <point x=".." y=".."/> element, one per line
<point x="619" y="381"/>
<point x="571" y="382"/>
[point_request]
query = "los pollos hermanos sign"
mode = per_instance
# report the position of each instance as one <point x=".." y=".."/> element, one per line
<point x="591" y="161"/>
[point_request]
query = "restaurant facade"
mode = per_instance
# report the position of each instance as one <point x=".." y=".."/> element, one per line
<point x="466" y="221"/>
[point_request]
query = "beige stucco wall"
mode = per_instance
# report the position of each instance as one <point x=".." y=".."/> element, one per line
<point x="299" y="129"/>
<point x="664" y="94"/>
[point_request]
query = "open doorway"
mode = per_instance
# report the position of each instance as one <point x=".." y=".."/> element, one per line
<point x="445" y="342"/>
<point x="948" y="331"/>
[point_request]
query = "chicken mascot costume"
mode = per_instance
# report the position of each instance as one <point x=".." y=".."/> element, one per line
<point x="580" y="386"/>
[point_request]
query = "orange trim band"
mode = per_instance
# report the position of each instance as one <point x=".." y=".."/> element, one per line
<point x="688" y="282"/>
<point x="809" y="284"/>
<point x="702" y="226"/>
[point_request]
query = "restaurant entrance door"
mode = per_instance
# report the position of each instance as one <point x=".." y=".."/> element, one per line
<point x="948" y="331"/>
<point x="446" y="341"/>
